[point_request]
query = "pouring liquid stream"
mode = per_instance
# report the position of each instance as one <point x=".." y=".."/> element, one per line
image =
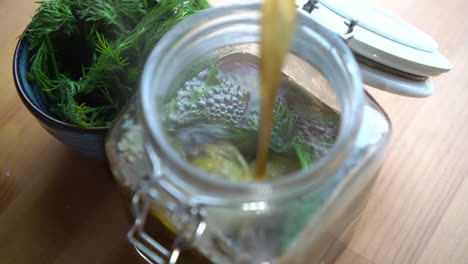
<point x="279" y="19"/>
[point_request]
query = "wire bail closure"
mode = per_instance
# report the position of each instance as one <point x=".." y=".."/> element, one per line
<point x="156" y="192"/>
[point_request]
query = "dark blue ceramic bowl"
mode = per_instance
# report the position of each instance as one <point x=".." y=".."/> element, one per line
<point x="89" y="141"/>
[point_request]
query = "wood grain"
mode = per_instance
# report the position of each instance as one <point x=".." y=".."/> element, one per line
<point x="448" y="244"/>
<point x="59" y="207"/>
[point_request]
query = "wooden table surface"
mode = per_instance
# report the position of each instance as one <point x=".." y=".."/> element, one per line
<point x="57" y="206"/>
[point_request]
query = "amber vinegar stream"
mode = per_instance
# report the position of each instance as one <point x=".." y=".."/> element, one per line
<point x="279" y="18"/>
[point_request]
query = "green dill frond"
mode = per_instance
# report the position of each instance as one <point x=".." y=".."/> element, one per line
<point x="113" y="39"/>
<point x="212" y="76"/>
<point x="81" y="114"/>
<point x="114" y="100"/>
<point x="132" y="10"/>
<point x="132" y="74"/>
<point x="131" y="38"/>
<point x="304" y="152"/>
<point x="52" y="16"/>
<point x="108" y="48"/>
<point x="163" y="17"/>
<point x="101" y="12"/>
<point x="66" y="88"/>
<point x="39" y="73"/>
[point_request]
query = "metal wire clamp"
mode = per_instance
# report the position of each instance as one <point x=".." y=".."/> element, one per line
<point x="157" y="193"/>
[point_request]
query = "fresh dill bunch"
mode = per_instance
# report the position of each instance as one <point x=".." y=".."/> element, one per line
<point x="88" y="55"/>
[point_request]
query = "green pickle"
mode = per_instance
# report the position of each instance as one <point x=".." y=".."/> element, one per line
<point x="214" y="122"/>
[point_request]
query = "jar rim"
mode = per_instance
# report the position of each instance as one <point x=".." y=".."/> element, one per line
<point x="216" y="190"/>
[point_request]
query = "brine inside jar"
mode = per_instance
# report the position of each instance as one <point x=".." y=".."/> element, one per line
<point x="213" y="121"/>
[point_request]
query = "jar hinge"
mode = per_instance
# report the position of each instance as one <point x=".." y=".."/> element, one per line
<point x="311" y="5"/>
<point x="153" y="193"/>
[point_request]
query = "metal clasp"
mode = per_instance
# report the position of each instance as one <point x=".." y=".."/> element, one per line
<point x="350" y="33"/>
<point x="310" y="6"/>
<point x="158" y="194"/>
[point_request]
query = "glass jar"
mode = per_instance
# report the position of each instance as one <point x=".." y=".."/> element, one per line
<point x="184" y="215"/>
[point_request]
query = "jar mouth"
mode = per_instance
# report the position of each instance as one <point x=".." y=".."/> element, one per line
<point x="236" y="24"/>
